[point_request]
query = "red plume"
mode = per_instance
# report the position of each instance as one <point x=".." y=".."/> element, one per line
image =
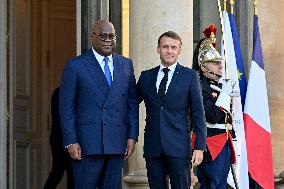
<point x="207" y="32"/>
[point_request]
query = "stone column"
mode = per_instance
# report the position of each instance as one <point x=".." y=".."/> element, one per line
<point x="148" y="20"/>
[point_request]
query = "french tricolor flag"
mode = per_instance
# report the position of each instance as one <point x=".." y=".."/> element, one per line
<point x="256" y="119"/>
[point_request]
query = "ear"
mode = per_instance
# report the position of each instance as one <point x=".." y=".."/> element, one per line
<point x="158" y="50"/>
<point x="179" y="51"/>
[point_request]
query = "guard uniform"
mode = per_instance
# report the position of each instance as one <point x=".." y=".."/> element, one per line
<point x="213" y="172"/>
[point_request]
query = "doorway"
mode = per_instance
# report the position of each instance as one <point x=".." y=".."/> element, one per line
<point x="43" y="39"/>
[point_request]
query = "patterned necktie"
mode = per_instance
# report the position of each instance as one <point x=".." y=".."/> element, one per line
<point x="163" y="84"/>
<point x="107" y="71"/>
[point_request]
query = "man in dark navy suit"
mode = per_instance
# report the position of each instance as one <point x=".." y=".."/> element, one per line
<point x="99" y="111"/>
<point x="172" y="96"/>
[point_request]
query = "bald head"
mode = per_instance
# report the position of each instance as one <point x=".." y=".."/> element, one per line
<point x="99" y="24"/>
<point x="103" y="37"/>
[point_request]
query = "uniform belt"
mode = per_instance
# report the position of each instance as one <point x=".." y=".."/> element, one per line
<point x="216" y="126"/>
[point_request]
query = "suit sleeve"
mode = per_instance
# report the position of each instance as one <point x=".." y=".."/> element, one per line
<point x="197" y="113"/>
<point x="133" y="107"/>
<point x="67" y="103"/>
<point x="139" y="89"/>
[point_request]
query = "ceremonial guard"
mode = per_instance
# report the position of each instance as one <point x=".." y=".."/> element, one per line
<point x="213" y="172"/>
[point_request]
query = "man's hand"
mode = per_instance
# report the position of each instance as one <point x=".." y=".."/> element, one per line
<point x="130" y="148"/>
<point x="197" y="157"/>
<point x="75" y="151"/>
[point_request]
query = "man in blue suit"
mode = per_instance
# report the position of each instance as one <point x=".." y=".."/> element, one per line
<point x="99" y="111"/>
<point x="172" y="96"/>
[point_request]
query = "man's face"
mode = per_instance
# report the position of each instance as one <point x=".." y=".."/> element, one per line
<point x="169" y="50"/>
<point x="104" y="38"/>
<point x="215" y="67"/>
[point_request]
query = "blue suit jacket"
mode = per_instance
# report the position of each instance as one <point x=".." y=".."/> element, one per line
<point x="168" y="122"/>
<point x="98" y="117"/>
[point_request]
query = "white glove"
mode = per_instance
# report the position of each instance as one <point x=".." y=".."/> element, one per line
<point x="228" y="85"/>
<point x="224" y="99"/>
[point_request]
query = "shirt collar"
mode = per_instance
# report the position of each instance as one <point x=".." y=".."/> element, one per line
<point x="99" y="57"/>
<point x="171" y="67"/>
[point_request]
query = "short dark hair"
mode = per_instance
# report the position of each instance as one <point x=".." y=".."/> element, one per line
<point x="170" y="34"/>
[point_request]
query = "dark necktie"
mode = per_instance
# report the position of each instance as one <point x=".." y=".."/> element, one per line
<point x="107" y="71"/>
<point x="163" y="84"/>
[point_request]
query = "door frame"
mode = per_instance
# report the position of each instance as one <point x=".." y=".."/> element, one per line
<point x="37" y="135"/>
<point x="3" y="94"/>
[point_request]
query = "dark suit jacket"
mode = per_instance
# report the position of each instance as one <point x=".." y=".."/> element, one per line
<point x="55" y="134"/>
<point x="98" y="117"/>
<point x="168" y="121"/>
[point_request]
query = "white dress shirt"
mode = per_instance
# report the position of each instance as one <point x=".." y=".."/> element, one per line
<point x="161" y="75"/>
<point x="101" y="61"/>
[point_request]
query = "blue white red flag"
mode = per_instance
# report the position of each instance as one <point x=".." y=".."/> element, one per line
<point x="257" y="120"/>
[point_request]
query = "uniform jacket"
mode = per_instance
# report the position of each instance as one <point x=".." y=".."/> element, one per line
<point x="216" y="138"/>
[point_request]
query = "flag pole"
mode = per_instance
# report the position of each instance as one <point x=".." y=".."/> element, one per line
<point x="224" y="41"/>
<point x="255" y="7"/>
<point x="232" y="2"/>
<point x="226" y="74"/>
<point x="225" y="4"/>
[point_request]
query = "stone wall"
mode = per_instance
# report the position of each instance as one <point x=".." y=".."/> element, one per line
<point x="271" y="24"/>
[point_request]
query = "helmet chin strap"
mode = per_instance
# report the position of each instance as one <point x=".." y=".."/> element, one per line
<point x="209" y="71"/>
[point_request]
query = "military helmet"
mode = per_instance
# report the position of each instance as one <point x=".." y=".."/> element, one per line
<point x="205" y="50"/>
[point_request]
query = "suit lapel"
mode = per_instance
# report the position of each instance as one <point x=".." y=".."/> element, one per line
<point x="176" y="77"/>
<point x="96" y="72"/>
<point x="153" y="81"/>
<point x="117" y="76"/>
